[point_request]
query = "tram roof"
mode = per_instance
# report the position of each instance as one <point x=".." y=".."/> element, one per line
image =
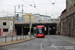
<point x="40" y="26"/>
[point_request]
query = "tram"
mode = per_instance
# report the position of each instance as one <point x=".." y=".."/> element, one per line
<point x="39" y="31"/>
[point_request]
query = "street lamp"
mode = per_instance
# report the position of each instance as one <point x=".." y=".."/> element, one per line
<point x="13" y="20"/>
<point x="30" y="25"/>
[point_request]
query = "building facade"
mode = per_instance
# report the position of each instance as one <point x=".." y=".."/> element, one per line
<point x="63" y="23"/>
<point x="70" y="13"/>
<point x="27" y="19"/>
<point x="59" y="26"/>
<point x="6" y="27"/>
<point x="42" y="18"/>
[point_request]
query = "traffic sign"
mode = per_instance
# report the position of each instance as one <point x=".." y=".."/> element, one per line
<point x="70" y="1"/>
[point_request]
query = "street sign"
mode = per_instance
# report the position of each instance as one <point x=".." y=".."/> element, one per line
<point x="70" y="1"/>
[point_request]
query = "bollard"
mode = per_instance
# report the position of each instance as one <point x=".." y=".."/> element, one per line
<point x="5" y="38"/>
<point x="23" y="36"/>
<point x="20" y="37"/>
<point x="11" y="38"/>
<point x="16" y="37"/>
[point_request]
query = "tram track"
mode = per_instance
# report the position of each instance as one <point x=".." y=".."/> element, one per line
<point x="31" y="43"/>
<point x="41" y="43"/>
<point x="51" y="45"/>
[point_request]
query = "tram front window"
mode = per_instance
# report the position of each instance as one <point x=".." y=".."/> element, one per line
<point x="40" y="30"/>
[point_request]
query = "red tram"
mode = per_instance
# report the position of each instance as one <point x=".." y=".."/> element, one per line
<point x="40" y="31"/>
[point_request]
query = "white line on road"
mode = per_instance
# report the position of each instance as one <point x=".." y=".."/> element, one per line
<point x="54" y="47"/>
<point x="41" y="46"/>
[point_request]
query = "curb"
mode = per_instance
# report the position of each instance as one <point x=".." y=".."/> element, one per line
<point x="15" y="42"/>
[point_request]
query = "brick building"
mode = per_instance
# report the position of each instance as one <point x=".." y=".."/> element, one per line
<point x="70" y="13"/>
<point x="59" y="26"/>
<point x="68" y="19"/>
<point x="63" y="23"/>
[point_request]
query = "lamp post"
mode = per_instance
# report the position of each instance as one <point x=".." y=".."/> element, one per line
<point x="30" y="25"/>
<point x="13" y="20"/>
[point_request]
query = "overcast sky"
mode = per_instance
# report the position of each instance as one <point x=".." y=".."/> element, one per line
<point x="44" y="7"/>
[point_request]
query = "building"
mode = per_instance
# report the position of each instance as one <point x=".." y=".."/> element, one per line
<point x="70" y="13"/>
<point x="6" y="18"/>
<point x="58" y="26"/>
<point x="27" y="19"/>
<point x="6" y="27"/>
<point x="21" y="19"/>
<point x="42" y="18"/>
<point x="39" y="18"/>
<point x="63" y="23"/>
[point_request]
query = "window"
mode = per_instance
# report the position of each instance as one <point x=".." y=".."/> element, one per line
<point x="40" y="30"/>
<point x="4" y="23"/>
<point x="5" y="30"/>
<point x="74" y="4"/>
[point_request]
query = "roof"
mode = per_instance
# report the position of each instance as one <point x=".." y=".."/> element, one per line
<point x="40" y="26"/>
<point x="64" y="11"/>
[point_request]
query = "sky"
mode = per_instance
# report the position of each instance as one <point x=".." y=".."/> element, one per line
<point x="43" y="7"/>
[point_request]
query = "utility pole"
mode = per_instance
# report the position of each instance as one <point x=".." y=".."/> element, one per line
<point x="7" y="15"/>
<point x="46" y="12"/>
<point x="22" y="19"/>
<point x="48" y="30"/>
<point x="13" y="20"/>
<point x="30" y="25"/>
<point x="22" y="12"/>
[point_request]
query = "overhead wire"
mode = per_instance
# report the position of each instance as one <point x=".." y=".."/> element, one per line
<point x="54" y="1"/>
<point x="34" y="6"/>
<point x="6" y="13"/>
<point x="40" y="11"/>
<point x="33" y="2"/>
<point x="27" y="3"/>
<point x="58" y="7"/>
<point x="54" y="4"/>
<point x="52" y="10"/>
<point x="50" y="1"/>
<point x="52" y="7"/>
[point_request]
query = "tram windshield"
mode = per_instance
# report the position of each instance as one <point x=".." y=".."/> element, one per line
<point x="40" y="30"/>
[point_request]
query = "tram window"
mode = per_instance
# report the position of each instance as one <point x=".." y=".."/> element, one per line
<point x="40" y="30"/>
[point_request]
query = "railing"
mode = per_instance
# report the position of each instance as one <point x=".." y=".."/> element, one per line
<point x="12" y="38"/>
<point x="36" y="22"/>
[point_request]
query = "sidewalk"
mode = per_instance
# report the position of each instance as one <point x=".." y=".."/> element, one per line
<point x="2" y="39"/>
<point x="15" y="41"/>
<point x="65" y="38"/>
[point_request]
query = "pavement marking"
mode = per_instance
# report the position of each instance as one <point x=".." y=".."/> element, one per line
<point x="64" y="40"/>
<point x="41" y="45"/>
<point x="54" y="47"/>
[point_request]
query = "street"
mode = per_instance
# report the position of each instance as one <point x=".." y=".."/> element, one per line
<point x="50" y="42"/>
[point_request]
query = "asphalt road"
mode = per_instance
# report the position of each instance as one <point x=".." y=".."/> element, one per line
<point x="47" y="43"/>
